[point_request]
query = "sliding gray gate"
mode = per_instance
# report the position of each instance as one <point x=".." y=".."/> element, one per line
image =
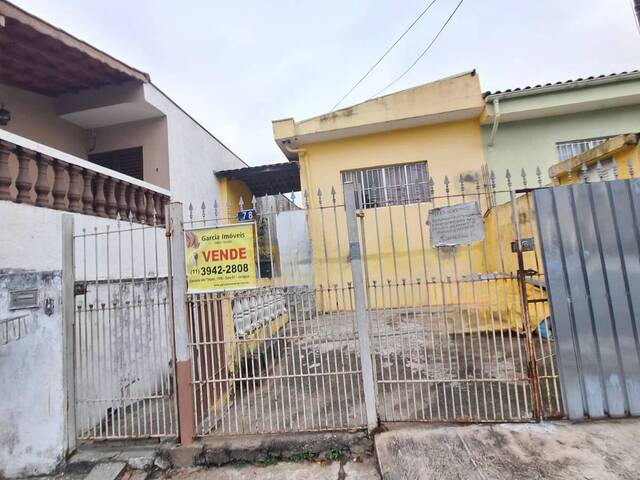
<point x="590" y="244"/>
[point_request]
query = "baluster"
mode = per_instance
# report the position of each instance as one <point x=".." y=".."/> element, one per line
<point x="87" y="196"/>
<point x="23" y="182"/>
<point x="157" y="204"/>
<point x="150" y="207"/>
<point x="5" y="174"/>
<point x="121" y="197"/>
<point x="100" y="200"/>
<point x="42" y="181"/>
<point x="75" y="188"/>
<point x="140" y="203"/>
<point x="131" y="201"/>
<point x="164" y="200"/>
<point x="59" y="190"/>
<point x="110" y="193"/>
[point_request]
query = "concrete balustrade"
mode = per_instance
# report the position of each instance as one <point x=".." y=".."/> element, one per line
<point x="50" y="179"/>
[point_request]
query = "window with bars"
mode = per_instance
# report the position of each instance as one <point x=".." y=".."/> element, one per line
<point x="566" y="150"/>
<point x="392" y="185"/>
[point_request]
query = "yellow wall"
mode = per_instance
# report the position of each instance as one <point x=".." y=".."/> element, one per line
<point x="231" y="191"/>
<point x="450" y="149"/>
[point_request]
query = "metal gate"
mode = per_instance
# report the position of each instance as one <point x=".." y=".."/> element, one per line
<point x="590" y="234"/>
<point x="388" y="326"/>
<point x="459" y="332"/>
<point x="273" y="359"/>
<point x="123" y="334"/>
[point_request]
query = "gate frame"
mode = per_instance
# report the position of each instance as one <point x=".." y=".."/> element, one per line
<point x="362" y="316"/>
<point x="178" y="292"/>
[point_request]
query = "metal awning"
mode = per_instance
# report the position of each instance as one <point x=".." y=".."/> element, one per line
<point x="267" y="179"/>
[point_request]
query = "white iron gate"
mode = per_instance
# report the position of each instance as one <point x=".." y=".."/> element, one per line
<point x="124" y="368"/>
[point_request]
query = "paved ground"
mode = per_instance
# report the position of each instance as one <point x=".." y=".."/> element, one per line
<point x="363" y="469"/>
<point x="559" y="450"/>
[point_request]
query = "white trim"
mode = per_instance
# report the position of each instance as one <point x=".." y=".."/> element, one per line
<point x="73" y="160"/>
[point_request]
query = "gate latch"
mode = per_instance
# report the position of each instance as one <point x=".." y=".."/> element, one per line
<point x="526" y="245"/>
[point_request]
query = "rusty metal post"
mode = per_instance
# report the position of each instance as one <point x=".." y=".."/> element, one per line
<point x="178" y="292"/>
<point x="536" y="399"/>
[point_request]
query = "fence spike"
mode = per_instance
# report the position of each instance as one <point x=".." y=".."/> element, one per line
<point x="508" y="177"/>
<point x="476" y="180"/>
<point x="585" y="175"/>
<point x="305" y="195"/>
<point x="190" y="211"/>
<point x="320" y="197"/>
<point x="204" y="210"/>
<point x="253" y="201"/>
<point x="539" y="175"/>
<point x="215" y="208"/>
<point x="333" y="194"/>
<point x="614" y="168"/>
<point x="293" y="197"/>
<point x="600" y="170"/>
<point x="630" y="167"/>
<point x="523" y="174"/>
<point x="431" y="188"/>
<point x="461" y="180"/>
<point x="228" y="209"/>
<point x="492" y="180"/>
<point x="241" y="203"/>
<point x="446" y="184"/>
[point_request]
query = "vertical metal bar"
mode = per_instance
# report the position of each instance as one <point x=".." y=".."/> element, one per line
<point x="361" y="313"/>
<point x="533" y="365"/>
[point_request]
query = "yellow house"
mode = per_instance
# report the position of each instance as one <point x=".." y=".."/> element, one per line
<point x="390" y="147"/>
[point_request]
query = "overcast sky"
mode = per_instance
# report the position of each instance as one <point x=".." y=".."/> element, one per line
<point x="237" y="65"/>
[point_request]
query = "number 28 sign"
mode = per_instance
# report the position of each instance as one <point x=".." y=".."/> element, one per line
<point x="220" y="258"/>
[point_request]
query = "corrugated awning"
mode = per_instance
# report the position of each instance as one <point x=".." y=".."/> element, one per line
<point x="267" y="179"/>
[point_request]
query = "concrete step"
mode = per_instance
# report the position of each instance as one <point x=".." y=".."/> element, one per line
<point x="106" y="471"/>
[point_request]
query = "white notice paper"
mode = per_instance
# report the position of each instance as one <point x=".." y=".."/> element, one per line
<point x="460" y="224"/>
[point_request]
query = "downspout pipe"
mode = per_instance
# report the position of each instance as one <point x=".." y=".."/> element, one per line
<point x="496" y="121"/>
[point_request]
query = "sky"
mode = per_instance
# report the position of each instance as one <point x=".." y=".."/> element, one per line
<point x="237" y="65"/>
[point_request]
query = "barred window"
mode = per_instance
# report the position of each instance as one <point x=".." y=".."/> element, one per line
<point x="387" y="186"/>
<point x="566" y="150"/>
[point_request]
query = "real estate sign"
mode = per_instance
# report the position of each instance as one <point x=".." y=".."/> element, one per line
<point x="456" y="225"/>
<point x="220" y="258"/>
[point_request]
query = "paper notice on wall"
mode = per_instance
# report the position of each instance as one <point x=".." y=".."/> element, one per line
<point x="220" y="258"/>
<point x="460" y="224"/>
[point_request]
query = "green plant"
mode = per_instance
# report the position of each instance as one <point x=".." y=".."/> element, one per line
<point x="270" y="460"/>
<point x="300" y="457"/>
<point x="335" y="454"/>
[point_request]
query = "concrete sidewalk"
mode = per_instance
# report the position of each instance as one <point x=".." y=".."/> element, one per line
<point x="553" y="450"/>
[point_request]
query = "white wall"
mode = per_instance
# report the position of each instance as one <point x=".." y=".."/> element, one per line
<point x="194" y="154"/>
<point x="32" y="398"/>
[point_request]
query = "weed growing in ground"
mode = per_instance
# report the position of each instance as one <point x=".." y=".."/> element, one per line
<point x="300" y="457"/>
<point x="335" y="454"/>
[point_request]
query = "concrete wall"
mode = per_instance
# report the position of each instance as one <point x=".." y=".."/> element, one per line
<point x="32" y="376"/>
<point x="34" y="116"/>
<point x="151" y="135"/>
<point x="531" y="143"/>
<point x="194" y="154"/>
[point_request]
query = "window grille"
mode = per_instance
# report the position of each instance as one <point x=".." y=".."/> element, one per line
<point x="388" y="186"/>
<point x="566" y="150"/>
